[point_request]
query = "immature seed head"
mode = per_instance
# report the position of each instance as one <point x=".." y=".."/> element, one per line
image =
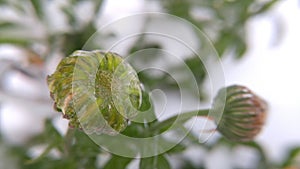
<point x="244" y="113"/>
<point x="97" y="91"/>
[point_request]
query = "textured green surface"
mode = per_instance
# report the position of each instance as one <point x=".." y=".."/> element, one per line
<point x="244" y="113"/>
<point x="98" y="92"/>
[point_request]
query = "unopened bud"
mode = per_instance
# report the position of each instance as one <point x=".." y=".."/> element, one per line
<point x="244" y="113"/>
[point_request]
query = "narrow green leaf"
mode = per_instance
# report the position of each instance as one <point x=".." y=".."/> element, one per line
<point x="178" y="7"/>
<point x="291" y="157"/>
<point x="146" y="102"/>
<point x="197" y="67"/>
<point x="83" y="145"/>
<point x="156" y="162"/>
<point x="186" y="164"/>
<point x="38" y="8"/>
<point x="117" y="162"/>
<point x="265" y="7"/>
<point x="51" y="133"/>
<point x="15" y="41"/>
<point x="98" y="6"/>
<point x="241" y="49"/>
<point x="223" y="43"/>
<point x="41" y="156"/>
<point x="70" y="14"/>
<point x="8" y="24"/>
<point x="259" y="148"/>
<point x="50" y="136"/>
<point x="263" y="160"/>
<point x="176" y="149"/>
<point x="8" y="33"/>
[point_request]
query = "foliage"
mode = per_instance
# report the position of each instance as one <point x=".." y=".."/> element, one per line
<point x="225" y="21"/>
<point x="31" y="29"/>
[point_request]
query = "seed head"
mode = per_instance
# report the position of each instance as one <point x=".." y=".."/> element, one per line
<point x="97" y="91"/>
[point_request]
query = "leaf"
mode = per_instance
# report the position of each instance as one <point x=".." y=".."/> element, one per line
<point x="146" y="101"/>
<point x="117" y="162"/>
<point x="14" y="33"/>
<point x="263" y="159"/>
<point x="222" y="44"/>
<point x="2" y="2"/>
<point x="76" y="40"/>
<point x="156" y="162"/>
<point x="38" y="8"/>
<point x="291" y="157"/>
<point x="187" y="164"/>
<point x="51" y="137"/>
<point x="83" y="145"/>
<point x="141" y="44"/>
<point x="98" y="5"/>
<point x="41" y="156"/>
<point x="264" y="7"/>
<point x="135" y="130"/>
<point x="70" y="14"/>
<point x="197" y="68"/>
<point x="7" y="24"/>
<point x="240" y="47"/>
<point x="176" y="149"/>
<point x="263" y="162"/>
<point x="178" y="7"/>
<point x="15" y="41"/>
<point x="50" y="163"/>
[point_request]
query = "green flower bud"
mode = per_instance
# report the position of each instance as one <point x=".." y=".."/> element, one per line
<point x="97" y="91"/>
<point x="244" y="113"/>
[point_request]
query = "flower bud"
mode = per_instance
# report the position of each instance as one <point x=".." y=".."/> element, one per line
<point x="244" y="113"/>
<point x="97" y="91"/>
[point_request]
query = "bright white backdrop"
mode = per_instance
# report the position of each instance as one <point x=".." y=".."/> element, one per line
<point x="271" y="68"/>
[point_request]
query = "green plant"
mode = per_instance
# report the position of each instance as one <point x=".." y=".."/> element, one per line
<point x="79" y="78"/>
<point x="41" y="42"/>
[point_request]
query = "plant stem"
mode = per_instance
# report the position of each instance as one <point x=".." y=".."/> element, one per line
<point x="178" y="119"/>
<point x="68" y="141"/>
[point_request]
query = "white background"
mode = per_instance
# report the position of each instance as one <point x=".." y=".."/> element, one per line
<point x="271" y="68"/>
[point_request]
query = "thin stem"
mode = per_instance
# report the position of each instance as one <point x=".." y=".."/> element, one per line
<point x="180" y="119"/>
<point x="68" y="140"/>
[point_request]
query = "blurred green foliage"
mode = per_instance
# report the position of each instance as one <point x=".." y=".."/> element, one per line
<point x="224" y="21"/>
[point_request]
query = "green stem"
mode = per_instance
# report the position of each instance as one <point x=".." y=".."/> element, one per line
<point x="68" y="141"/>
<point x="179" y="119"/>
